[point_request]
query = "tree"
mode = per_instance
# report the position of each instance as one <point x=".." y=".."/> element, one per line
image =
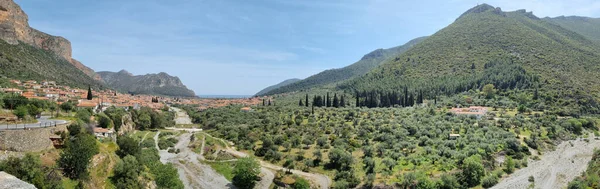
<point x="74" y="129"/>
<point x="340" y="159"/>
<point x="300" y="103"/>
<point x="472" y="170"/>
<point x="126" y="173"/>
<point x="472" y="66"/>
<point x="336" y="101"/>
<point x="127" y="146"/>
<point x="245" y="173"/>
<point x="343" y="101"/>
<point x="489" y="90"/>
<point x="104" y="121"/>
<point x="144" y="121"/>
<point x="83" y="115"/>
<point x="448" y="181"/>
<point x="306" y="100"/>
<point x="89" y="93"/>
<point x="328" y="101"/>
<point x="510" y="165"/>
<point x="21" y="112"/>
<point x="76" y="156"/>
<point x="67" y="106"/>
<point x="33" y="110"/>
<point x="301" y="184"/>
<point x="489" y="181"/>
<point x="27" y="169"/>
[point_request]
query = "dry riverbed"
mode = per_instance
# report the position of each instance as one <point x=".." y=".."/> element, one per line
<point x="555" y="169"/>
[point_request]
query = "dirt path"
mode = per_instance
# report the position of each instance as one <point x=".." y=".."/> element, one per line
<point x="192" y="173"/>
<point x="143" y="138"/>
<point x="556" y="168"/>
<point x="321" y="181"/>
<point x="181" y="117"/>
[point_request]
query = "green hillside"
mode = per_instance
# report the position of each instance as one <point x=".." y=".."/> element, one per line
<point x="512" y="50"/>
<point x="272" y="87"/>
<point x="25" y="62"/>
<point x="364" y="65"/>
<point x="588" y="27"/>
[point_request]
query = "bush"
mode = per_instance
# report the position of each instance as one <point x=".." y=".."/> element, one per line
<point x="489" y="181"/>
<point x="127" y="146"/>
<point x="76" y="156"/>
<point x="126" y="173"/>
<point x="245" y="173"/>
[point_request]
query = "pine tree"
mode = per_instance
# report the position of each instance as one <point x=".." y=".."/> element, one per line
<point x="336" y="102"/>
<point x="89" y="95"/>
<point x="306" y="100"/>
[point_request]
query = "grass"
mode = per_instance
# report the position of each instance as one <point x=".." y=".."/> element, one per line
<point x="101" y="173"/>
<point x="223" y="168"/>
<point x="68" y="183"/>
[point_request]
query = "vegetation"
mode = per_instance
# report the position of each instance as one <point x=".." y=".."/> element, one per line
<point x="25" y="62"/>
<point x="30" y="169"/>
<point x="591" y="177"/>
<point x="333" y="76"/>
<point x="466" y="56"/>
<point x="77" y="154"/>
<point x="153" y="84"/>
<point x="245" y="173"/>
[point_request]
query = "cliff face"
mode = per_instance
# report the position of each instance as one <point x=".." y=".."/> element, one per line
<point x="154" y="84"/>
<point x="14" y="28"/>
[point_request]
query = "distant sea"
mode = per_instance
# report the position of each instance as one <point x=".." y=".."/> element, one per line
<point x="225" y="96"/>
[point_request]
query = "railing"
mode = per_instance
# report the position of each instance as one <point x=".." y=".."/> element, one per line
<point x="24" y="126"/>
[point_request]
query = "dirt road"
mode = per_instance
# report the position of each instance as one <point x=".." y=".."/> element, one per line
<point x="192" y="173"/>
<point x="556" y="168"/>
<point x="181" y="117"/>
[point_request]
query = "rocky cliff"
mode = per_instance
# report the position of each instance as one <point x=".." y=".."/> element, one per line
<point x="154" y="84"/>
<point x="14" y="28"/>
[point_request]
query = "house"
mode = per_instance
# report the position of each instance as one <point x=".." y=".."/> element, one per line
<point x="87" y="104"/>
<point x="477" y="111"/>
<point x="103" y="133"/>
<point x="246" y="109"/>
<point x="12" y="90"/>
<point x="453" y="136"/>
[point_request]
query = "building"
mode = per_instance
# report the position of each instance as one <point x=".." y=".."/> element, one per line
<point x="453" y="136"/>
<point x="13" y="90"/>
<point x="477" y="111"/>
<point x="246" y="109"/>
<point x="103" y="133"/>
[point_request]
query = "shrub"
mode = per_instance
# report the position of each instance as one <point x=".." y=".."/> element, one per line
<point x="489" y="181"/>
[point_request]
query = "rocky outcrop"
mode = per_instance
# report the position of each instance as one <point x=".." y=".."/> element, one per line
<point x="9" y="181"/>
<point x="153" y="84"/>
<point x="14" y="28"/>
<point x="128" y="125"/>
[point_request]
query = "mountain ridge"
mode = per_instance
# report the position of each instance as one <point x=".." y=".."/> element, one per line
<point x="278" y="85"/>
<point x="332" y="76"/>
<point x="152" y="84"/>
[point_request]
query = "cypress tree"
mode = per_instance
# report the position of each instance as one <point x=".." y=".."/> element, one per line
<point x="306" y="100"/>
<point x="342" y="101"/>
<point x="89" y="95"/>
<point x="264" y="102"/>
<point x="357" y="101"/>
<point x="300" y="103"/>
<point x="328" y="101"/>
<point x="336" y="102"/>
<point x="269" y="102"/>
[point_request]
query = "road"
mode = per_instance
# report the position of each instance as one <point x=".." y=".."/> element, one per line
<point x="555" y="169"/>
<point x="43" y="121"/>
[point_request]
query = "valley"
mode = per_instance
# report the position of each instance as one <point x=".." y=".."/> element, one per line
<point x="494" y="99"/>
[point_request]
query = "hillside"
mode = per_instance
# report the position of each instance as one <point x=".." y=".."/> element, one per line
<point x="272" y="87"/>
<point x="364" y="65"/>
<point x="588" y="27"/>
<point x="512" y="50"/>
<point x="154" y="84"/>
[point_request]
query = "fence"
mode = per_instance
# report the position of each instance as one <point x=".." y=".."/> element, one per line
<point x="24" y="126"/>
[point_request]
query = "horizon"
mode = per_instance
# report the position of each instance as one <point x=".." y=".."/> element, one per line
<point x="239" y="48"/>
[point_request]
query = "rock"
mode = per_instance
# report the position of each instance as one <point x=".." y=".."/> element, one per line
<point x="9" y="181"/>
<point x="14" y="28"/>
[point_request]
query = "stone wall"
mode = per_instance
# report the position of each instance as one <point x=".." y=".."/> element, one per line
<point x="33" y="140"/>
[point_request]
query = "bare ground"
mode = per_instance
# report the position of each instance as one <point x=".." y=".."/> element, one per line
<point x="555" y="169"/>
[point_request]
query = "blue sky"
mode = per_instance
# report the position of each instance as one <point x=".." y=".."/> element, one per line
<point x="239" y="47"/>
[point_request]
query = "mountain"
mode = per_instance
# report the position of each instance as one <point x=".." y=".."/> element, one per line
<point x="588" y="27"/>
<point x="365" y="64"/>
<point x="512" y="50"/>
<point x="154" y="84"/>
<point x="15" y="30"/>
<point x="282" y="84"/>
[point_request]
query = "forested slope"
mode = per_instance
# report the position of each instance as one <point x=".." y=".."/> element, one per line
<point x="512" y="50"/>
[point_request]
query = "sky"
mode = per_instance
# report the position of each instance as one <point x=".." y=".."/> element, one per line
<point x="227" y="47"/>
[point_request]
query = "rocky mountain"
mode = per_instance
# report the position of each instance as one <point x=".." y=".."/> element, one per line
<point x="154" y="84"/>
<point x="333" y="76"/>
<point x="282" y="84"/>
<point x="15" y="29"/>
<point x="512" y="50"/>
<point x="26" y="53"/>
<point x="588" y="27"/>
